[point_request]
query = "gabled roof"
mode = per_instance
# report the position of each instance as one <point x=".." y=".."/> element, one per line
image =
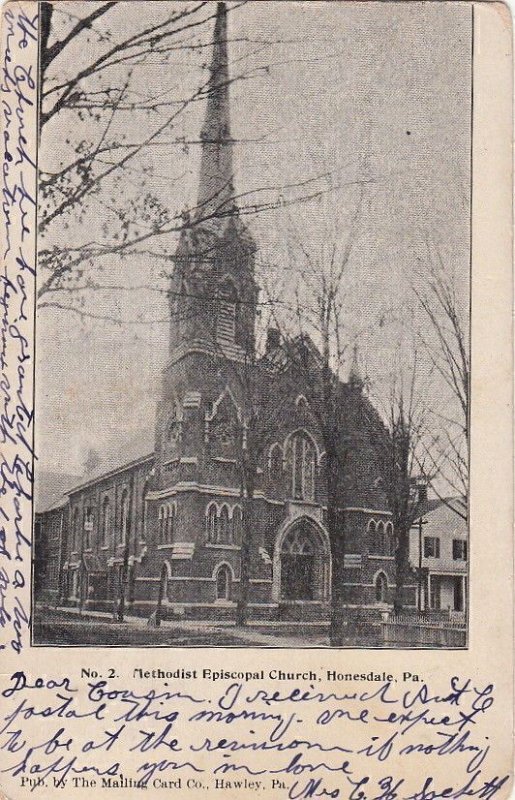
<point x="442" y="518"/>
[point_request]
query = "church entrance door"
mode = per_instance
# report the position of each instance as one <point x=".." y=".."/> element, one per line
<point x="297" y="576"/>
<point x="299" y="559"/>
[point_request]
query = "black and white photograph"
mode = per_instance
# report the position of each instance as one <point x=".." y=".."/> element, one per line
<point x="252" y="382"/>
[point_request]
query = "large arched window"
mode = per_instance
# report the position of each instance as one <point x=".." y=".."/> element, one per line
<point x="124" y="516"/>
<point x="223" y="583"/>
<point x="106" y="521"/>
<point x="303" y="463"/>
<point x="227" y="310"/>
<point x="381" y="587"/>
<point x="211" y="523"/>
<point x="237" y="525"/>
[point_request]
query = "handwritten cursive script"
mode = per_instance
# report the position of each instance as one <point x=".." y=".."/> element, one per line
<point x="386" y="743"/>
<point x="18" y="94"/>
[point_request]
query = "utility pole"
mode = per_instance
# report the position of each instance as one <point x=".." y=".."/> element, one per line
<point x="418" y="526"/>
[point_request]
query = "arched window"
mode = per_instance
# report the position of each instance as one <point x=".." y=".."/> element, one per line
<point x="275" y="462"/>
<point x="237" y="525"/>
<point x="124" y="516"/>
<point x="106" y="521"/>
<point x="381" y="586"/>
<point x="75" y="531"/>
<point x="380" y="538"/>
<point x="301" y="402"/>
<point x="143" y="529"/>
<point x="211" y="523"/>
<point x="163" y="514"/>
<point x="371" y="527"/>
<point x="303" y="460"/>
<point x="171" y="522"/>
<point x="226" y="323"/>
<point x="223" y="526"/>
<point x="223" y="583"/>
<point x="88" y="527"/>
<point x="390" y="540"/>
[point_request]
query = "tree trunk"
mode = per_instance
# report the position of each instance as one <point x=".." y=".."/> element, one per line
<point x="337" y="542"/>
<point x="245" y="553"/>
<point x="401" y="568"/>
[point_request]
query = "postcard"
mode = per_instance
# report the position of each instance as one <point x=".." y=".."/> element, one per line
<point x="256" y="498"/>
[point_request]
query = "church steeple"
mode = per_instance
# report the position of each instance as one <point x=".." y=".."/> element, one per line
<point x="213" y="290"/>
<point x="216" y="185"/>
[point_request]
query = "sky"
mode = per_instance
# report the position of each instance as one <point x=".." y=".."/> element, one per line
<point x="374" y="92"/>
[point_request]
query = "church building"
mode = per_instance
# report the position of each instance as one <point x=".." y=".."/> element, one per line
<point x="234" y="487"/>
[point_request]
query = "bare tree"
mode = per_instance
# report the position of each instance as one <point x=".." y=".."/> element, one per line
<point x="446" y="346"/>
<point x="99" y="210"/>
<point x="399" y="446"/>
<point x="316" y="346"/>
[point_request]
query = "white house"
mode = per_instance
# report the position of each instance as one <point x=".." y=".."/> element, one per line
<point x="439" y="553"/>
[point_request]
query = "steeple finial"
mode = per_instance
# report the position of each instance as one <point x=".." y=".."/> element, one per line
<point x="216" y="191"/>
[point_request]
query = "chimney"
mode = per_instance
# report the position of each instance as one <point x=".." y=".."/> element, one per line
<point x="273" y="339"/>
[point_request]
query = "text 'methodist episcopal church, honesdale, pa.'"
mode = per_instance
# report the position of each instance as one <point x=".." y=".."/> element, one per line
<point x="169" y="523"/>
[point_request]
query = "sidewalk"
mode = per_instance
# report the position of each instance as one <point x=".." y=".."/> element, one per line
<point x="199" y="629"/>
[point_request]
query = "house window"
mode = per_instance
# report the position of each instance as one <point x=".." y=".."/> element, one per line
<point x="431" y="547"/>
<point x="223" y="583"/>
<point x="303" y="467"/>
<point x="211" y="523"/>
<point x="459" y="550"/>
<point x="106" y="521"/>
<point x="124" y="517"/>
<point x="381" y="586"/>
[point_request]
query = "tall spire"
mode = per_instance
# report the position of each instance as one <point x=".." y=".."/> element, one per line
<point x="216" y="188"/>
